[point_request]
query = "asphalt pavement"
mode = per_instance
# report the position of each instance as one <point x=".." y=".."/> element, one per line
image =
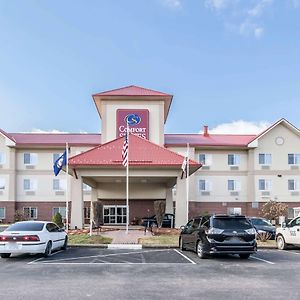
<point x="93" y="273"/>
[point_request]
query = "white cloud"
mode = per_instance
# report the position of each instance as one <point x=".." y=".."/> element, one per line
<point x="248" y="28"/>
<point x="36" y="130"/>
<point x="173" y="3"/>
<point x="240" y="127"/>
<point x="258" y="32"/>
<point x="218" y="5"/>
<point x="259" y="8"/>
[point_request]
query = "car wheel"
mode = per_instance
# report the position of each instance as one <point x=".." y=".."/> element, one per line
<point x="244" y="256"/>
<point x="5" y="255"/>
<point x="200" y="250"/>
<point x="281" y="244"/>
<point x="48" y="249"/>
<point x="181" y="245"/>
<point x="64" y="247"/>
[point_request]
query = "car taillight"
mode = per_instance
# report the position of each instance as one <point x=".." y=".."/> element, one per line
<point x="30" y="238"/>
<point x="3" y="238"/>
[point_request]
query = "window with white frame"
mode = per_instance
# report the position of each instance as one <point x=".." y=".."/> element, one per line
<point x="264" y="184"/>
<point x="30" y="158"/>
<point x="2" y="183"/>
<point x="61" y="210"/>
<point x="2" y="213"/>
<point x="293" y="185"/>
<point x="30" y="212"/>
<point x="233" y="185"/>
<point x="59" y="184"/>
<point x="205" y="185"/>
<point x="30" y="184"/>
<point x="265" y="158"/>
<point x="234" y="210"/>
<point x="2" y="158"/>
<point x="233" y="159"/>
<point x="293" y="159"/>
<point x="205" y="159"/>
<point x="86" y="187"/>
<point x="87" y="212"/>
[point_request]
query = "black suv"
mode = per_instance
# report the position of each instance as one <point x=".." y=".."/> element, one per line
<point x="226" y="234"/>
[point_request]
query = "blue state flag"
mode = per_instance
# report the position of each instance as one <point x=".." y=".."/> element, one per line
<point x="59" y="163"/>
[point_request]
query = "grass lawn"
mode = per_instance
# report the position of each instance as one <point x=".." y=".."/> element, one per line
<point x="269" y="243"/>
<point x="170" y="240"/>
<point x="86" y="239"/>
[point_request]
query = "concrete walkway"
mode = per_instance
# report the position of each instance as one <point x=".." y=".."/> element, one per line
<point x="120" y="236"/>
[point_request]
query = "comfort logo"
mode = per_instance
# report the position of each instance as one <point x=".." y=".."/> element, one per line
<point x="133" y="119"/>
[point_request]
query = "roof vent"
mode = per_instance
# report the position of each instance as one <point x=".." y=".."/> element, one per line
<point x="205" y="131"/>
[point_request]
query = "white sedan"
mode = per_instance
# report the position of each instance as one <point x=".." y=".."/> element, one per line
<point x="32" y="237"/>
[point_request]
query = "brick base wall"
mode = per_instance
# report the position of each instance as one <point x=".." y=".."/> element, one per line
<point x="9" y="211"/>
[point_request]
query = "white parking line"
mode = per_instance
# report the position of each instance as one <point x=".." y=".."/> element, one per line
<point x="185" y="256"/>
<point x="289" y="251"/>
<point x="38" y="259"/>
<point x="266" y="261"/>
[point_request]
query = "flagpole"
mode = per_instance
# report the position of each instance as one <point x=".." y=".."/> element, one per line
<point x="67" y="187"/>
<point x="127" y="182"/>
<point x="187" y="181"/>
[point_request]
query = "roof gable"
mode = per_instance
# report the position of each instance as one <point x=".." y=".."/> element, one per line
<point x="9" y="140"/>
<point x="142" y="153"/>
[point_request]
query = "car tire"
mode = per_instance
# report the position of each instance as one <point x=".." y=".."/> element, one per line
<point x="200" y="250"/>
<point x="48" y="249"/>
<point x="5" y="255"/>
<point x="65" y="246"/>
<point x="281" y="244"/>
<point x="181" y="245"/>
<point x="244" y="255"/>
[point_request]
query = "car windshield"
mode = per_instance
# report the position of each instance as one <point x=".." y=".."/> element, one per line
<point x="231" y="223"/>
<point x="261" y="222"/>
<point x="30" y="226"/>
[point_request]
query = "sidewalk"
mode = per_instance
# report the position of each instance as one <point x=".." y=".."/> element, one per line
<point x="121" y="237"/>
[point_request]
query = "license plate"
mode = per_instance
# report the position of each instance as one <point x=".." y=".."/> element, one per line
<point x="12" y="246"/>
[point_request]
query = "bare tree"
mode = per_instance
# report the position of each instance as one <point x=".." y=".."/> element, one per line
<point x="272" y="210"/>
<point x="159" y="209"/>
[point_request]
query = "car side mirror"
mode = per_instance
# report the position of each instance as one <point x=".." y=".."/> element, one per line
<point x="283" y="225"/>
<point x="182" y="227"/>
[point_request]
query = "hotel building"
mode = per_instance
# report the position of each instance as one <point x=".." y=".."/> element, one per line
<point x="228" y="173"/>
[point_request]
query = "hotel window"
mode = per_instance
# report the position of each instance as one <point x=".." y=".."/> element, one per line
<point x="29" y="184"/>
<point x="265" y="158"/>
<point x="86" y="188"/>
<point x="293" y="185"/>
<point x="56" y="156"/>
<point x="2" y="184"/>
<point x="234" y="211"/>
<point x="205" y="185"/>
<point x="233" y="185"/>
<point x="61" y="210"/>
<point x="59" y="185"/>
<point x="2" y="158"/>
<point x="233" y="159"/>
<point x="30" y="212"/>
<point x="264" y="185"/>
<point x="2" y="213"/>
<point x="293" y="159"/>
<point x="30" y="158"/>
<point x="205" y="159"/>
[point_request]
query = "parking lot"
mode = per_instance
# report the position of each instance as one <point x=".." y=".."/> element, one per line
<point x="94" y="273"/>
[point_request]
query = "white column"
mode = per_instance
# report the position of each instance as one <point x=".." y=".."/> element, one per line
<point x="181" y="206"/>
<point x="169" y="201"/>
<point x="77" y="203"/>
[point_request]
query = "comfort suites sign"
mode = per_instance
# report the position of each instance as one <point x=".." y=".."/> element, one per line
<point x="137" y="119"/>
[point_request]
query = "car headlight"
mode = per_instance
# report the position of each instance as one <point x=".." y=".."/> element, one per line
<point x="250" y="231"/>
<point x="214" y="231"/>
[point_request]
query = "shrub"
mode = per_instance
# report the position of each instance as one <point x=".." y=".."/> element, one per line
<point x="263" y="236"/>
<point x="57" y="219"/>
<point x="159" y="209"/>
<point x="272" y="210"/>
<point x="19" y="216"/>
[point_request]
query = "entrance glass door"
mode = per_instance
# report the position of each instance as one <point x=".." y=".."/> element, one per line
<point x="114" y="214"/>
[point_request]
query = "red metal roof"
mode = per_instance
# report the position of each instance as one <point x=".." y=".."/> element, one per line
<point x="56" y="139"/>
<point x="131" y="90"/>
<point x="225" y="140"/>
<point x="141" y="153"/>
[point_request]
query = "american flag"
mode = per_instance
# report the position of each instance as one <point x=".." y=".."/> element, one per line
<point x="125" y="151"/>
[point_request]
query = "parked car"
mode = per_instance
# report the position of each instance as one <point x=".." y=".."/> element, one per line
<point x="32" y="237"/>
<point x="288" y="234"/>
<point x="219" y="234"/>
<point x="168" y="221"/>
<point x="263" y="225"/>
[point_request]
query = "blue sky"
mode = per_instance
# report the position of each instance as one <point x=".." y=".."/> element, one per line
<point x="223" y="60"/>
